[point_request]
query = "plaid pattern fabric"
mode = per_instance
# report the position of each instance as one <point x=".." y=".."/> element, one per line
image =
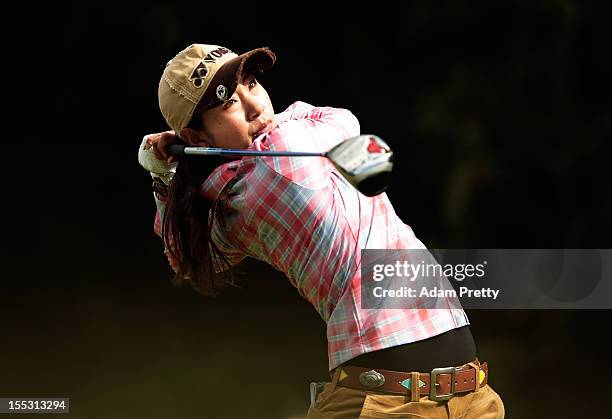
<point x="302" y="217"/>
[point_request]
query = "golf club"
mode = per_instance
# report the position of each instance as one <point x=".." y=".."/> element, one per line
<point x="366" y="161"/>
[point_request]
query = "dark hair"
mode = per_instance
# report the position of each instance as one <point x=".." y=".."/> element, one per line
<point x="187" y="225"/>
<point x="189" y="217"/>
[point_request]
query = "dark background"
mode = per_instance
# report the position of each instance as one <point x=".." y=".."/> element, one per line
<point x="500" y="118"/>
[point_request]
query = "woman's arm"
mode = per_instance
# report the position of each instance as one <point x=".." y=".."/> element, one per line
<point x="333" y="125"/>
<point x="157" y="228"/>
<point x="161" y="173"/>
<point x="303" y="127"/>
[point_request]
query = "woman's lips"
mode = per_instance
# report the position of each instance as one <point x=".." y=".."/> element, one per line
<point x="265" y="129"/>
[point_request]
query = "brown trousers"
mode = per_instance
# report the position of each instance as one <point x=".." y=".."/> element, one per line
<point x="346" y="403"/>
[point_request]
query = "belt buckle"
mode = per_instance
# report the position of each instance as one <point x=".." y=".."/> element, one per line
<point x="433" y="378"/>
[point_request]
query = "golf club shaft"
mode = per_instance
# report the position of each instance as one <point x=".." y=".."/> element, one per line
<point x="180" y="150"/>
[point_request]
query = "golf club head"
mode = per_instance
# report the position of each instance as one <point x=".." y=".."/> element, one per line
<point x="366" y="161"/>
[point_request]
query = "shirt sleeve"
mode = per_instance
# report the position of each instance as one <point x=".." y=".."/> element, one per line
<point x="303" y="127"/>
<point x="157" y="228"/>
<point x="232" y="255"/>
<point x="328" y="126"/>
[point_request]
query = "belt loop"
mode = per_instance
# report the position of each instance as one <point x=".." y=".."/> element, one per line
<point x="476" y="366"/>
<point x="415" y="391"/>
<point x="335" y="377"/>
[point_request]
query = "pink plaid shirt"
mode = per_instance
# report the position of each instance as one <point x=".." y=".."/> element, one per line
<point x="302" y="217"/>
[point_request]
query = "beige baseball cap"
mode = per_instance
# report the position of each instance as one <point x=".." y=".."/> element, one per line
<point x="202" y="77"/>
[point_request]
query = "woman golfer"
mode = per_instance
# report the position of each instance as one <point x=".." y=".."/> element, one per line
<point x="302" y="217"/>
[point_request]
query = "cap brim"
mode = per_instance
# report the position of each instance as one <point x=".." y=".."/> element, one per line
<point x="259" y="59"/>
<point x="231" y="73"/>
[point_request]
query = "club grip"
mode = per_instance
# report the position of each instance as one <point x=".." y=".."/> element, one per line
<point x="176" y="150"/>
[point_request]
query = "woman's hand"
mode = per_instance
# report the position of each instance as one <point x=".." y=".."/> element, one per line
<point x="159" y="142"/>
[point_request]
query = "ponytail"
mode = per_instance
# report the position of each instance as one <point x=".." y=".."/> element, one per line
<point x="187" y="224"/>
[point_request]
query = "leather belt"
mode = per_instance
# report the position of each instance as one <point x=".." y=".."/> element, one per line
<point x="448" y="381"/>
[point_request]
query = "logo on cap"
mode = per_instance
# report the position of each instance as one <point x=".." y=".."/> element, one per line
<point x="199" y="74"/>
<point x="213" y="55"/>
<point x="221" y="92"/>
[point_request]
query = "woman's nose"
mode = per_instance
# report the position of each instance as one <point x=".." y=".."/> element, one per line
<point x="254" y="111"/>
<point x="253" y="107"/>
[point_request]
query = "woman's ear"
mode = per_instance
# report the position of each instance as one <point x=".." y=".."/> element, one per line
<point x="194" y="138"/>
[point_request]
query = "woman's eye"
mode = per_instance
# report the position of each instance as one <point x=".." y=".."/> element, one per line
<point x="253" y="83"/>
<point x="229" y="103"/>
